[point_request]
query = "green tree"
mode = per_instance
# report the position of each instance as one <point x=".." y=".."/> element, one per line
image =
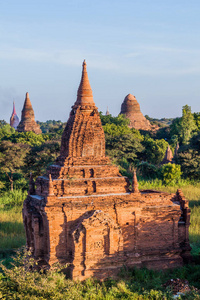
<point x="171" y="173"/>
<point x="154" y="150"/>
<point x="197" y="119"/>
<point x="28" y="137"/>
<point x="40" y="157"/>
<point x="189" y="158"/>
<point x="116" y="130"/>
<point x="12" y="157"/>
<point x="185" y="126"/>
<point x="6" y="131"/>
<point x="124" y="148"/>
<point x="2" y="123"/>
<point x="147" y="170"/>
<point x="119" y="120"/>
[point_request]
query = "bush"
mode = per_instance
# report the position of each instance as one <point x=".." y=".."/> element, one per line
<point x="12" y="199"/>
<point x="170" y="173"/>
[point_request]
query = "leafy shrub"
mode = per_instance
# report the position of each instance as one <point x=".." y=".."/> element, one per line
<point x="12" y="199"/>
<point x="170" y="173"/>
<point x="19" y="282"/>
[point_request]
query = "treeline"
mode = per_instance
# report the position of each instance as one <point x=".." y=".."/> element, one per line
<point x="22" y="153"/>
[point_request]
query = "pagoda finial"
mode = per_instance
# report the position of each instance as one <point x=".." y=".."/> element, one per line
<point x="27" y="103"/>
<point x="84" y="94"/>
<point x="14" y="110"/>
<point x="135" y="188"/>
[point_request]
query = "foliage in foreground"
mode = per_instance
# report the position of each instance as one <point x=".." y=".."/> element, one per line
<point x="20" y="283"/>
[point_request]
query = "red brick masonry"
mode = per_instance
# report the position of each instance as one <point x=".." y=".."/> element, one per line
<point x="85" y="214"/>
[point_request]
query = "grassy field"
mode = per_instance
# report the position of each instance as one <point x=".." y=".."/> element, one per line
<point x="12" y="234"/>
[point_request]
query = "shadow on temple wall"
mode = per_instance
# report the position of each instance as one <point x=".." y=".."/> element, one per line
<point x="153" y="244"/>
<point x="65" y="250"/>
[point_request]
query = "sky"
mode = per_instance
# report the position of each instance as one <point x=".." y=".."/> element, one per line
<point x="148" y="48"/>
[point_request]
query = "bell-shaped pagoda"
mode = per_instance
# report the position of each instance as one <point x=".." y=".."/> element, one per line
<point x="131" y="109"/>
<point x="28" y="122"/>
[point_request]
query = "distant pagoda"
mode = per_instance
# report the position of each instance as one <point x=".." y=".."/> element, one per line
<point x="107" y="112"/>
<point x="14" y="120"/>
<point x="168" y="156"/>
<point x="131" y="109"/>
<point x="28" y="122"/>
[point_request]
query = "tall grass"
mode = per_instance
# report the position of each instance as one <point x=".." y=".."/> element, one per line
<point x="12" y="199"/>
<point x="12" y="235"/>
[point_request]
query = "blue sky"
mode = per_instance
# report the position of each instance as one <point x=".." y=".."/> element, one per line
<point x="150" y="49"/>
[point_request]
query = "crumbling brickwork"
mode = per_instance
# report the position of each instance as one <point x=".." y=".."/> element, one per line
<point x="85" y="214"/>
<point x="28" y="122"/>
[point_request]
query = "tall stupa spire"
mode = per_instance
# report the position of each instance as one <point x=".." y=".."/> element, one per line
<point x="83" y="135"/>
<point x="28" y="122"/>
<point x="84" y="94"/>
<point x="14" y="120"/>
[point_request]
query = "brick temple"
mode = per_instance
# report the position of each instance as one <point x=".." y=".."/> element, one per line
<point x="131" y="109"/>
<point x="28" y="122"/>
<point x="85" y="215"/>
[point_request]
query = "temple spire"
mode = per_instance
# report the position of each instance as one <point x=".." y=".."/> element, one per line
<point x="28" y="122"/>
<point x="14" y="120"/>
<point x="107" y="112"/>
<point x="27" y="103"/>
<point x="168" y="156"/>
<point x="14" y="110"/>
<point x="84" y="94"/>
<point x="135" y="188"/>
